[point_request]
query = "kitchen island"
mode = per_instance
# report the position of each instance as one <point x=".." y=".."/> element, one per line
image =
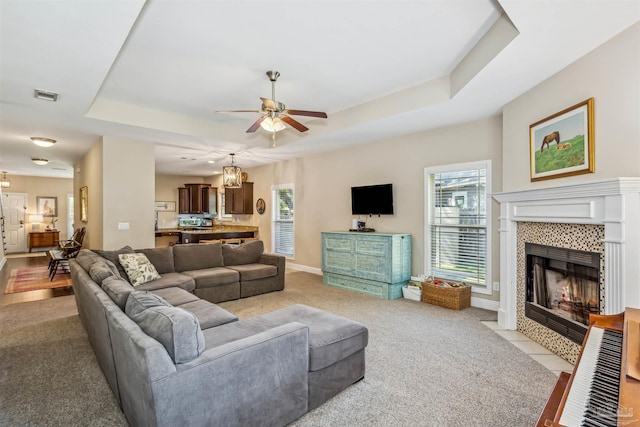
<point x="218" y="232"/>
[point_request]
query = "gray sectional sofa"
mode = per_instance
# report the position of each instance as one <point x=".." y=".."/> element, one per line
<point x="173" y="358"/>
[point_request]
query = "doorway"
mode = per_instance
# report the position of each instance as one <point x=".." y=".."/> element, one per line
<point x="14" y="206"/>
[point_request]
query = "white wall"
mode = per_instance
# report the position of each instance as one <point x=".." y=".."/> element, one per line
<point x="323" y="185"/>
<point x="609" y="74"/>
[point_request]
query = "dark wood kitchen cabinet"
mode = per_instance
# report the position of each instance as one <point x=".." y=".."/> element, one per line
<point x="239" y="200"/>
<point x="195" y="198"/>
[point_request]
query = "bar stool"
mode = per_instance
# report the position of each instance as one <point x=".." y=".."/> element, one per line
<point x="248" y="239"/>
<point x="210" y="241"/>
<point x="234" y="241"/>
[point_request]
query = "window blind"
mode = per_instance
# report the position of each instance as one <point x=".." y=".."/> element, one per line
<point x="283" y="224"/>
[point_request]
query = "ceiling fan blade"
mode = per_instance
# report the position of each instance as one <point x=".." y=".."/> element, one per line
<point x="269" y="104"/>
<point x="238" y="111"/>
<point x="254" y="127"/>
<point x="294" y="124"/>
<point x="306" y="113"/>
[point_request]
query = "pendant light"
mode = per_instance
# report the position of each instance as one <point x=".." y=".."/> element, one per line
<point x="4" y="182"/>
<point x="232" y="175"/>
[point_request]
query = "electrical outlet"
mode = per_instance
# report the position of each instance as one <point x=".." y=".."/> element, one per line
<point x="123" y="226"/>
<point x="496" y="286"/>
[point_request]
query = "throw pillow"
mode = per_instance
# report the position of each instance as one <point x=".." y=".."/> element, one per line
<point x="138" y="268"/>
<point x="176" y="329"/>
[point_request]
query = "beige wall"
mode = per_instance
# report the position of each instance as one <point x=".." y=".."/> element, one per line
<point x="35" y="186"/>
<point x="120" y="178"/>
<point x="89" y="173"/>
<point x="609" y="74"/>
<point x="323" y="185"/>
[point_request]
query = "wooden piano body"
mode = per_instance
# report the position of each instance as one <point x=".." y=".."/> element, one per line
<point x="628" y="413"/>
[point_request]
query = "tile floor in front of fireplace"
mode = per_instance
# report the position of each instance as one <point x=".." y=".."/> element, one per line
<point x="554" y="363"/>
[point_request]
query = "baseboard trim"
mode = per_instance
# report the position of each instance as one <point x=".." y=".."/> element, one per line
<point x="485" y="303"/>
<point x="306" y="268"/>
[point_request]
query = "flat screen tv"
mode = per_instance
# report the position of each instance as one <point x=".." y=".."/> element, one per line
<point x="372" y="200"/>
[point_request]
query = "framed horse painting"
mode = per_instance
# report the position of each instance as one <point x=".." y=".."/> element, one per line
<point x="563" y="144"/>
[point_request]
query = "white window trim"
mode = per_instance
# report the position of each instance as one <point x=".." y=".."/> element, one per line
<point x="275" y="188"/>
<point x="486" y="164"/>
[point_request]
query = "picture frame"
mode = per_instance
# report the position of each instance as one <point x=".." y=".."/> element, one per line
<point x="166" y="206"/>
<point x="47" y="206"/>
<point x="260" y="206"/>
<point x="84" y="204"/>
<point x="563" y="144"/>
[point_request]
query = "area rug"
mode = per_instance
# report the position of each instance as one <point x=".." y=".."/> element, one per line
<point x="35" y="278"/>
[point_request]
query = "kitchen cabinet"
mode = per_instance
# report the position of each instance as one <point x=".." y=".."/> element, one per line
<point x="197" y="199"/>
<point x="239" y="200"/>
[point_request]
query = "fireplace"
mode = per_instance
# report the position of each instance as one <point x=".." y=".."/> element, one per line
<point x="599" y="216"/>
<point x="562" y="288"/>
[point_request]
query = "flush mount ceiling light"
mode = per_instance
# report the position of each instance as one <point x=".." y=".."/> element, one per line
<point x="4" y="182"/>
<point x="232" y="175"/>
<point x="40" y="162"/>
<point x="43" y="142"/>
<point x="45" y="95"/>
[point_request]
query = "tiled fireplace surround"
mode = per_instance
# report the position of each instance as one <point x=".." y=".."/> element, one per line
<point x="602" y="216"/>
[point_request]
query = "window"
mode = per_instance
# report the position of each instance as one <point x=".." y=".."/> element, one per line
<point x="282" y="222"/>
<point x="222" y="205"/>
<point x="457" y="242"/>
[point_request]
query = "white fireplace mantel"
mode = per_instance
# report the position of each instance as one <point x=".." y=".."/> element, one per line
<point x="614" y="203"/>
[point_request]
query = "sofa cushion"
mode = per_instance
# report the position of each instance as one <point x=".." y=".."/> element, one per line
<point x="175" y="296"/>
<point x="101" y="269"/>
<point x="210" y="277"/>
<point x="161" y="258"/>
<point x="209" y="315"/>
<point x="176" y="329"/>
<point x="169" y="280"/>
<point x="118" y="290"/>
<point x="245" y="253"/>
<point x="254" y="271"/>
<point x="138" y="268"/>
<point x="113" y="257"/>
<point x="197" y="256"/>
<point x="87" y="257"/>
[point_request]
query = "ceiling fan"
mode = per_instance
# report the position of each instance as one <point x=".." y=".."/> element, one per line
<point x="274" y="114"/>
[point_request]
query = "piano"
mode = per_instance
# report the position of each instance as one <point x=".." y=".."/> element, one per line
<point x="604" y="387"/>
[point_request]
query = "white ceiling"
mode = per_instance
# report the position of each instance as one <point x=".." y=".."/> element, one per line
<point x="158" y="70"/>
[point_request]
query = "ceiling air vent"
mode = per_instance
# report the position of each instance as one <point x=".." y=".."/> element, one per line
<point x="45" y="95"/>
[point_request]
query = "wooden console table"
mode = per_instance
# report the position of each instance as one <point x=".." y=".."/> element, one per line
<point x="43" y="239"/>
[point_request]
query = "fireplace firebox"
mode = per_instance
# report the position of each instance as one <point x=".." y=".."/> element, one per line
<point x="562" y="288"/>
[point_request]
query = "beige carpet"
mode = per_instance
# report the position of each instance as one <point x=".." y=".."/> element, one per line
<point x="426" y="366"/>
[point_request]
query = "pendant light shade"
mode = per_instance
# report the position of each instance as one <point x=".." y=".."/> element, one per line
<point x="232" y="175"/>
<point x="4" y="182"/>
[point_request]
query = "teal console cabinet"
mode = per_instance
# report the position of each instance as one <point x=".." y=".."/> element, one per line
<point x="375" y="264"/>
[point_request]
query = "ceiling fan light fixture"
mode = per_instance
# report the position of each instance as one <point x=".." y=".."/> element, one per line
<point x="232" y="175"/>
<point x="39" y="161"/>
<point x="4" y="182"/>
<point x="43" y="142"/>
<point x="272" y="124"/>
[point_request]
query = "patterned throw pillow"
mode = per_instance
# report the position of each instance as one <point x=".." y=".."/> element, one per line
<point x="138" y="268"/>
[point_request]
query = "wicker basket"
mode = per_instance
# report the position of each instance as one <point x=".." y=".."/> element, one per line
<point x="453" y="298"/>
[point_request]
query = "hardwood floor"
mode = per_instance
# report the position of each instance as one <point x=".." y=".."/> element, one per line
<point x="13" y="262"/>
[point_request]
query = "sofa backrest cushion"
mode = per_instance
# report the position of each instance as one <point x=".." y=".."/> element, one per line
<point x="101" y="269"/>
<point x="138" y="268"/>
<point x="118" y="290"/>
<point x="197" y="256"/>
<point x="161" y="258"/>
<point x="176" y="329"/>
<point x="113" y="257"/>
<point x="245" y="253"/>
<point x="86" y="258"/>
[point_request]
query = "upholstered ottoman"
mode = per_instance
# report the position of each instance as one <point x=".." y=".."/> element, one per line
<point x="336" y="348"/>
